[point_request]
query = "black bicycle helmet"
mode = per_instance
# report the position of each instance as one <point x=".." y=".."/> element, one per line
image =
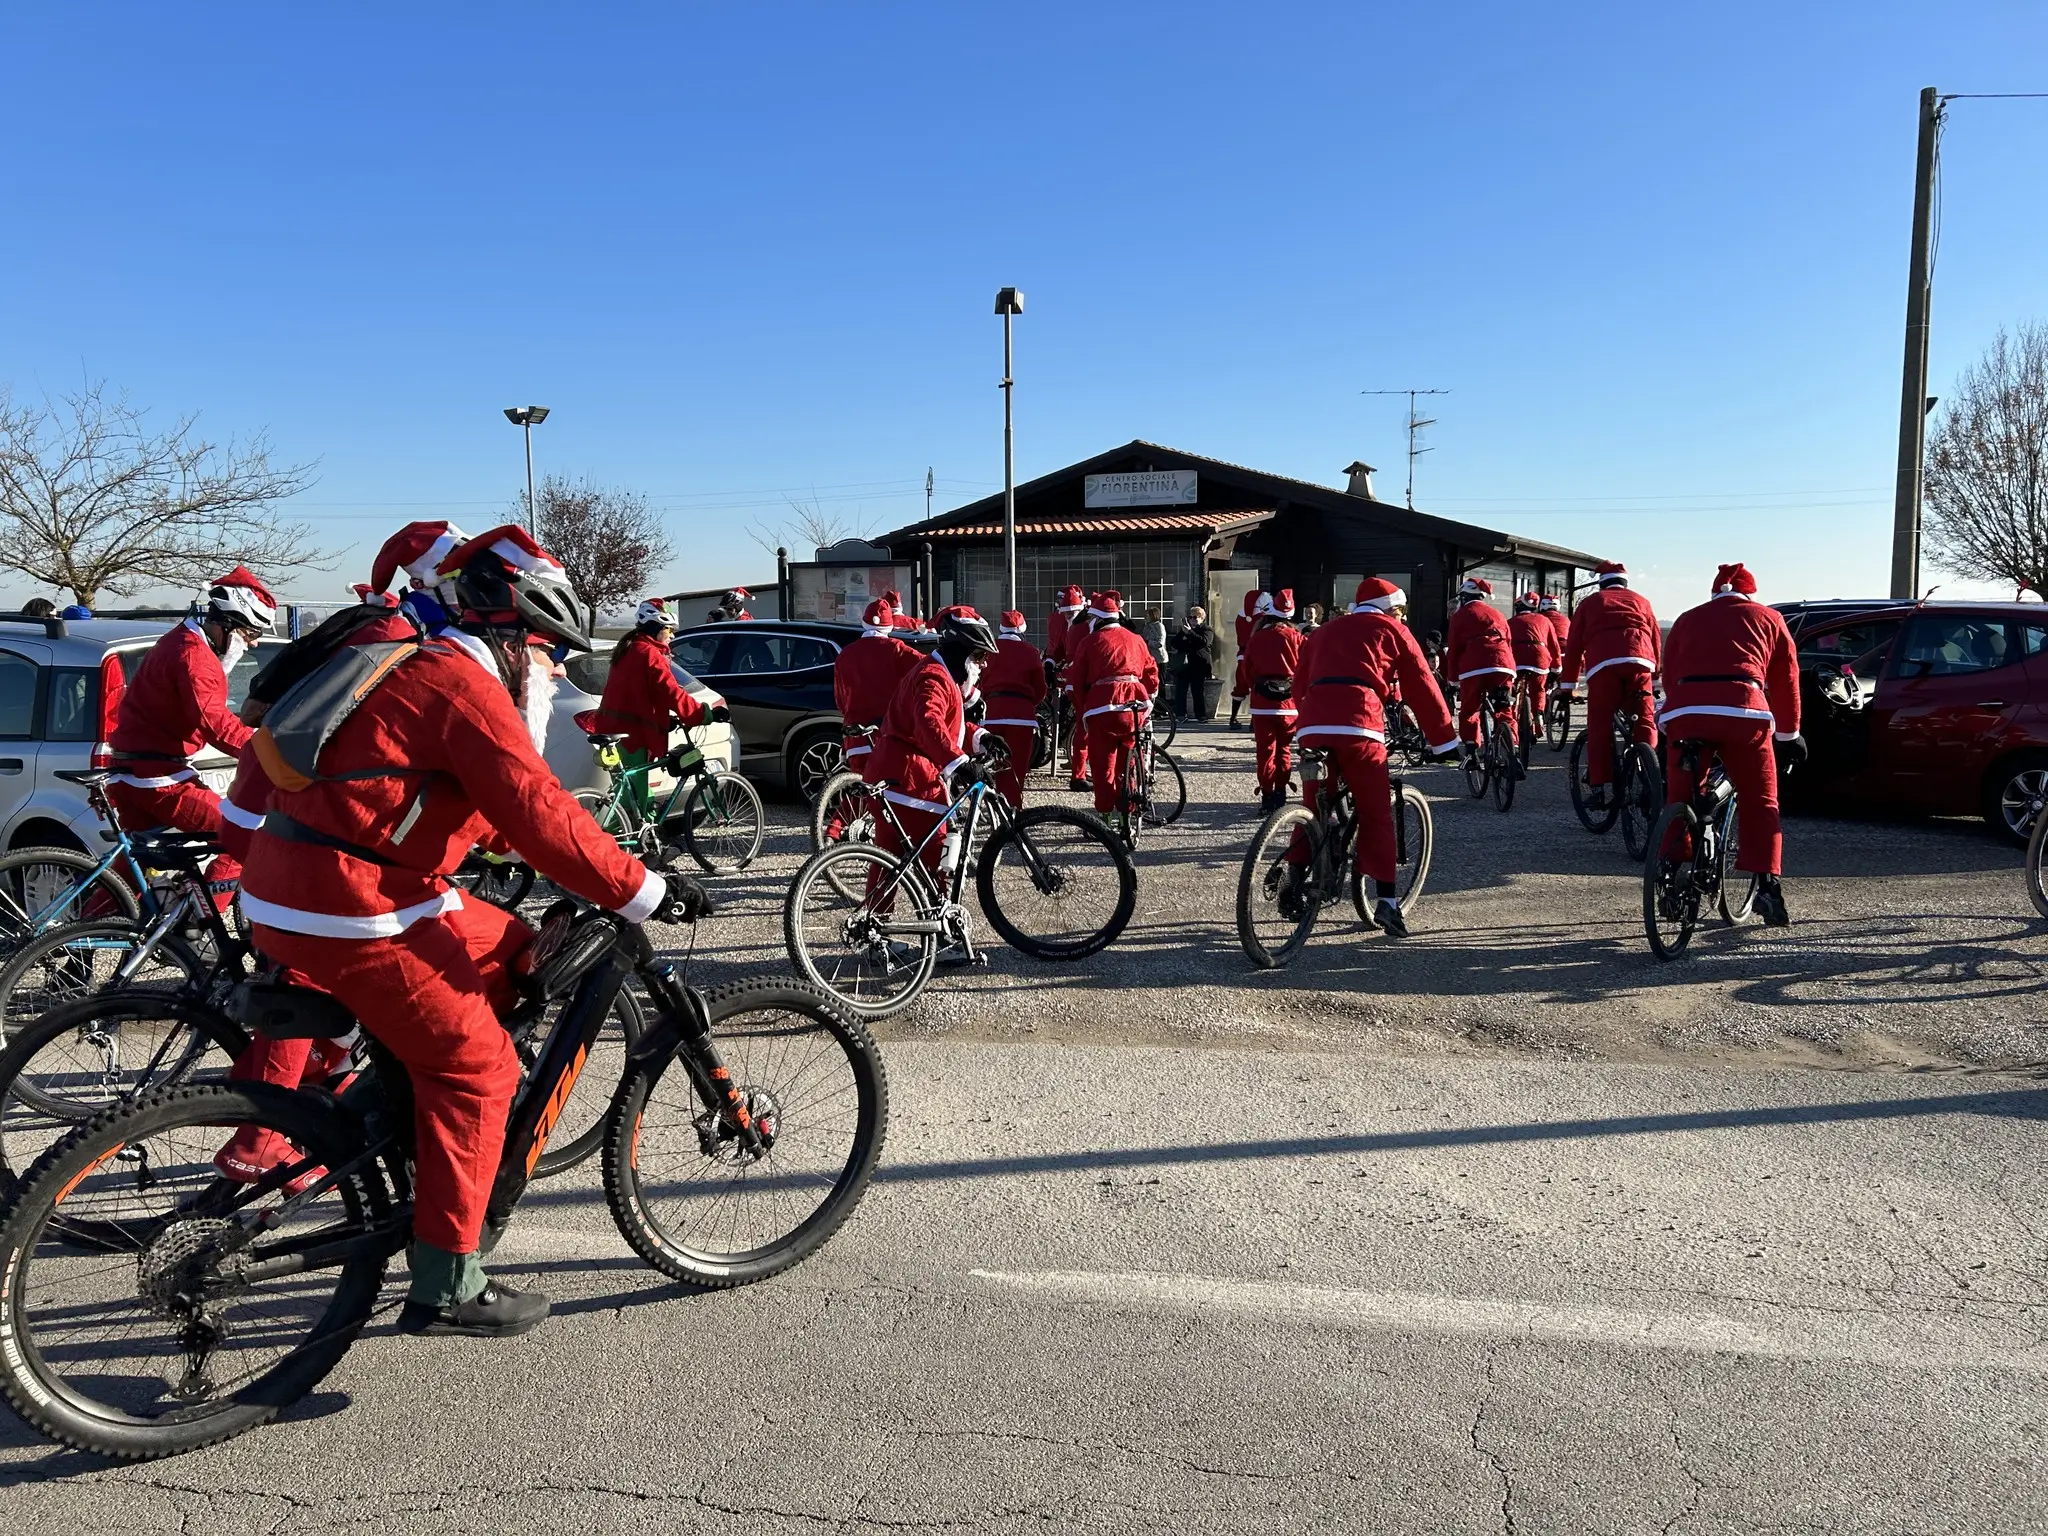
<point x="964" y="630"/>
<point x="503" y="580"/>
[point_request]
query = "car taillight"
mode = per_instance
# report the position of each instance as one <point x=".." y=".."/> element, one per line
<point x="113" y="683"/>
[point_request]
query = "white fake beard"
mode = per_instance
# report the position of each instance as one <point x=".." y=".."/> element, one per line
<point x="238" y="647"/>
<point x="538" y="703"/>
<point x="973" y="676"/>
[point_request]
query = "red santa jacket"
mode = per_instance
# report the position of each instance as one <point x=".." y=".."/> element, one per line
<point x="1270" y="658"/>
<point x="1534" y="639"/>
<point x="467" y="765"/>
<point x="641" y="692"/>
<point x="864" y="680"/>
<point x="1013" y="682"/>
<point x="924" y="737"/>
<point x="1561" y="624"/>
<point x="1062" y="632"/>
<point x="1477" y="644"/>
<point x="1614" y="627"/>
<point x="1732" y="656"/>
<point x="177" y="703"/>
<point x="1348" y="671"/>
<point x="1110" y="667"/>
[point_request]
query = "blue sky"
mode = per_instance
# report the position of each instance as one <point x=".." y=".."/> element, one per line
<point x="1657" y="253"/>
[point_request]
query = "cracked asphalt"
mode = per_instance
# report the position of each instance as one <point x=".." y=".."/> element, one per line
<point x="1505" y="1231"/>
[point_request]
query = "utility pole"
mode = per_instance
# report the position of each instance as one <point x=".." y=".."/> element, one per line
<point x="927" y="493"/>
<point x="1913" y="383"/>
<point x="1415" y="425"/>
<point x="1009" y="304"/>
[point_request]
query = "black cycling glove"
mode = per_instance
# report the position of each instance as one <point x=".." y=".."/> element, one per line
<point x="1791" y="753"/>
<point x="973" y="771"/>
<point x="684" y="902"/>
<point x="720" y="714"/>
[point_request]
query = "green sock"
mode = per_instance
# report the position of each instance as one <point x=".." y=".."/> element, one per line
<point x="441" y="1278"/>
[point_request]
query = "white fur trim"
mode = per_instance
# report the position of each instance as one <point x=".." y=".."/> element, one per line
<point x="1525" y="667"/>
<point x="653" y="889"/>
<point x="1731" y="592"/>
<point x="1622" y="661"/>
<point x="1286" y="711"/>
<point x="247" y="820"/>
<point x="337" y="925"/>
<point x="876" y="632"/>
<point x="1486" y="672"/>
<point x="1103" y="613"/>
<point x="1445" y="746"/>
<point x="426" y="570"/>
<point x="1784" y="735"/>
<point x="1725" y="711"/>
<point x="1116" y="709"/>
<point x="472" y="647"/>
<point x="1033" y="723"/>
<point x="951" y="768"/>
<point x="1364" y="732"/>
<point x="163" y="781"/>
<point x="520" y="560"/>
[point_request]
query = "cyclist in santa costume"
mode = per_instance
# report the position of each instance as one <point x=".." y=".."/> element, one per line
<point x="1479" y="656"/>
<point x="1614" y="649"/>
<point x="1112" y="668"/>
<point x="1731" y="679"/>
<point x="1537" y="653"/>
<point x="927" y="751"/>
<point x="865" y="677"/>
<point x="347" y="885"/>
<point x="1269" y="664"/>
<point x="1347" y="672"/>
<point x="1241" y="677"/>
<point x="642" y="695"/>
<point x="1013" y="683"/>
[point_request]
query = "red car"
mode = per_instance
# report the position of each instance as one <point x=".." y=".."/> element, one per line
<point x="1948" y="712"/>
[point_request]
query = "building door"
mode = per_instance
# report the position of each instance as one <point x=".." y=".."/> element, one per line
<point x="1227" y="591"/>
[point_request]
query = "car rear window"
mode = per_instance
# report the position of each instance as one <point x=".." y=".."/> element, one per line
<point x="18" y="676"/>
<point x="589" y="672"/>
<point x="1954" y="645"/>
<point x="74" y="711"/>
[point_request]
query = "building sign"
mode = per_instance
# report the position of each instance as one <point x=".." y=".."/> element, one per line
<point x="839" y="593"/>
<point x="1145" y="488"/>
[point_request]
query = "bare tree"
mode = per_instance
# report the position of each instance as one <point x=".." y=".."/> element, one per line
<point x="1987" y="466"/>
<point x="611" y="542"/>
<point x="808" y="526"/>
<point x="94" y="502"/>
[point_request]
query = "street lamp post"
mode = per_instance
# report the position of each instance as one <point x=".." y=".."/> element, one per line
<point x="1009" y="303"/>
<point x="529" y="417"/>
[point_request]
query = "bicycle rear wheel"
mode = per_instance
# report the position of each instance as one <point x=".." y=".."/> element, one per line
<point x="868" y="943"/>
<point x="722" y="823"/>
<point x="684" y="1192"/>
<point x="1557" y="715"/>
<point x="1527" y="727"/>
<point x="1167" y="795"/>
<point x="1671" y="891"/>
<point x="40" y="887"/>
<point x="1735" y="888"/>
<point x="1594" y="820"/>
<point x="1165" y="726"/>
<point x="75" y="961"/>
<point x="1641" y="795"/>
<point x="2037" y="883"/>
<point x="179" y="1326"/>
<point x="1277" y="900"/>
<point x="1056" y="883"/>
<point x="847" y="812"/>
<point x="1505" y="761"/>
<point x="612" y="814"/>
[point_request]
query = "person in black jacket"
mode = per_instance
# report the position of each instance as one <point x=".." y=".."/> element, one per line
<point x="1193" y="645"/>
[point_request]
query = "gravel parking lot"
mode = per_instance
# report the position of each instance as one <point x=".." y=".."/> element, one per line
<point x="1913" y="946"/>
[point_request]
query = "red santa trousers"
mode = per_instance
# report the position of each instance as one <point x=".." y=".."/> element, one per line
<point x="432" y="997"/>
<point x="1751" y="763"/>
<point x="187" y="805"/>
<point x="1609" y="689"/>
<point x="1472" y="692"/>
<point x="1079" y="753"/>
<point x="1273" y="736"/>
<point x="1362" y="766"/>
<point x="1109" y="749"/>
<point x="1020" y="739"/>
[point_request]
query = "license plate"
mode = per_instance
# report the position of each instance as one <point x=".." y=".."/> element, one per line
<point x="219" y="780"/>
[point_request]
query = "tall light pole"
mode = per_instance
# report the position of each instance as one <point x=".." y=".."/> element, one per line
<point x="529" y="417"/>
<point x="1009" y="303"/>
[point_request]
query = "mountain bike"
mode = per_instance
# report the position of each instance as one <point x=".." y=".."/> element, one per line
<point x="1637" y="793"/>
<point x="150" y="1307"/>
<point x="1676" y="885"/>
<point x="1494" y="764"/>
<point x="1405" y="741"/>
<point x="719" y="822"/>
<point x="1299" y="863"/>
<point x="1154" y="792"/>
<point x="1557" y="716"/>
<point x="1055" y="727"/>
<point x="867" y="924"/>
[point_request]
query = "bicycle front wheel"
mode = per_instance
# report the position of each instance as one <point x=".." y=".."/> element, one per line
<point x="722" y="823"/>
<point x="862" y="928"/>
<point x="77" y="960"/>
<point x="1505" y="761"/>
<point x="1594" y="819"/>
<point x="1167" y="795"/>
<point x="40" y="887"/>
<point x="1056" y="883"/>
<point x="1558" y="718"/>
<point x="1527" y="727"/>
<point x="1277" y="899"/>
<point x="1671" y="890"/>
<point x="1477" y="778"/>
<point x="687" y="1192"/>
<point x="1641" y="793"/>
<point x="1736" y="888"/>
<point x="189" y="1320"/>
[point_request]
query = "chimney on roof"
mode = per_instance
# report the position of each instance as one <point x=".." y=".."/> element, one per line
<point x="1361" y="479"/>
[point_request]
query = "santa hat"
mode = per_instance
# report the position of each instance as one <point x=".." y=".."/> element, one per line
<point x="894" y="599"/>
<point x="1528" y="600"/>
<point x="240" y="596"/>
<point x="509" y="542"/>
<point x="1378" y="595"/>
<point x="1107" y="606"/>
<point x="878" y="618"/>
<point x="1251" y="602"/>
<point x="1012" y="624"/>
<point x="417" y="549"/>
<point x="1472" y="588"/>
<point x="1612" y="573"/>
<point x="1279" y="605"/>
<point x="1734" y="580"/>
<point x="1069" y="600"/>
<point x="1548" y="603"/>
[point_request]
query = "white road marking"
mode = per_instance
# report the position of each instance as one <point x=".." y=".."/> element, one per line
<point x="1833" y="1338"/>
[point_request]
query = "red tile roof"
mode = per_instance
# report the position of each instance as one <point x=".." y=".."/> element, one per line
<point x="1204" y="523"/>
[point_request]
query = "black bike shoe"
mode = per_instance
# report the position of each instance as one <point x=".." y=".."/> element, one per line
<point x="1596" y="798"/>
<point x="1770" y="906"/>
<point x="495" y="1312"/>
<point x="1386" y="916"/>
<point x="1078" y="786"/>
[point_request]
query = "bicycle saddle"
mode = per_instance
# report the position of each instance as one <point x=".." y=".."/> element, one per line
<point x="168" y="848"/>
<point x="284" y="1012"/>
<point x="90" y="778"/>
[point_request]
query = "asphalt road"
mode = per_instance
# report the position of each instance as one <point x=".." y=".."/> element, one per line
<point x="1508" y="1229"/>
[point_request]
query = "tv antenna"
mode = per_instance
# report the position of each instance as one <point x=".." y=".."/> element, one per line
<point x="1416" y="422"/>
